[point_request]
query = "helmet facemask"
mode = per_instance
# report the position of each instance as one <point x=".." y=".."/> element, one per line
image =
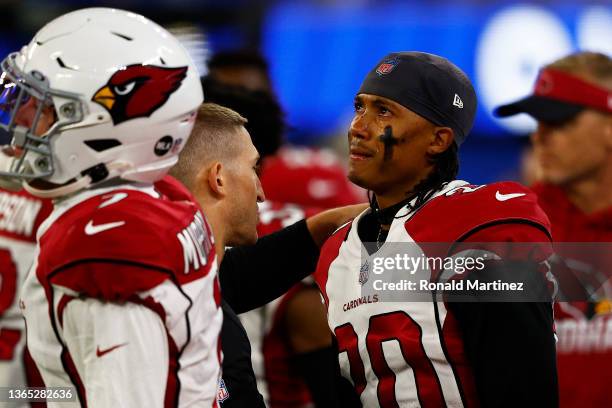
<point x="29" y="119"/>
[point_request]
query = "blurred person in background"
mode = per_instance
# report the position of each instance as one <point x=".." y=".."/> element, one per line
<point x="572" y="147"/>
<point x="412" y="112"/>
<point x="529" y="167"/>
<point x="290" y="338"/>
<point x="243" y="68"/>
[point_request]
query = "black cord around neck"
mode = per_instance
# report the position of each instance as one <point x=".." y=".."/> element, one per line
<point x="385" y="216"/>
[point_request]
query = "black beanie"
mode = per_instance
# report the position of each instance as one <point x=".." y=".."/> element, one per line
<point x="429" y="85"/>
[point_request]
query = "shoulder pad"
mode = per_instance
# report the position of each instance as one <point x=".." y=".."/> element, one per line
<point x="452" y="215"/>
<point x="127" y="227"/>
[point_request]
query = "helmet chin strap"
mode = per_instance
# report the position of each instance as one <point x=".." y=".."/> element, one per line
<point x="10" y="184"/>
<point x="79" y="184"/>
<point x="115" y="169"/>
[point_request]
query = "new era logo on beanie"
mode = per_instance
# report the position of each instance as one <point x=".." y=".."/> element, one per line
<point x="458" y="102"/>
<point x="428" y="85"/>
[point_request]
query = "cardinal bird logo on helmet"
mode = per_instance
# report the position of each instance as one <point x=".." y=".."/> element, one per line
<point x="138" y="90"/>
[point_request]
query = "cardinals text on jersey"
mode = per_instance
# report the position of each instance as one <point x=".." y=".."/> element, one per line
<point x="410" y="353"/>
<point x="124" y="301"/>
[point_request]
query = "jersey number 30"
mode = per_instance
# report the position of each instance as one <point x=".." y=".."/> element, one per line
<point x="399" y="327"/>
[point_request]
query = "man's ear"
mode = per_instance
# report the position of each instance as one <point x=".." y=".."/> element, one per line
<point x="215" y="177"/>
<point x="443" y="138"/>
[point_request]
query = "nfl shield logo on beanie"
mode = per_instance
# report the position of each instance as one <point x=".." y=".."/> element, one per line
<point x="387" y="66"/>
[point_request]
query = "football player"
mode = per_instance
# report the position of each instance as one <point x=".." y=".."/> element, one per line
<point x="122" y="303"/>
<point x="20" y="216"/>
<point x="412" y="112"/>
<point x="572" y="102"/>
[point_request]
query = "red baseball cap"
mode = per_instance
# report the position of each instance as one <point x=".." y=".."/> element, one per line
<point x="559" y="96"/>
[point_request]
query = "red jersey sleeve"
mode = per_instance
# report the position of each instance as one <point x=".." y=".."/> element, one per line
<point x="112" y="246"/>
<point x="461" y="212"/>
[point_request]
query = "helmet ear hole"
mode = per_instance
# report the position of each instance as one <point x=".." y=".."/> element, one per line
<point x="100" y="145"/>
<point x="97" y="173"/>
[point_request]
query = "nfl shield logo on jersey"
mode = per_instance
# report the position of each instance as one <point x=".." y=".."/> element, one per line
<point x="222" y="393"/>
<point x="364" y="273"/>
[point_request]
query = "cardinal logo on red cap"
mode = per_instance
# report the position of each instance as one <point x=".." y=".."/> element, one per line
<point x="138" y="90"/>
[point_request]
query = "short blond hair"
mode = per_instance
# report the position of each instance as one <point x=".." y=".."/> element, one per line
<point x="591" y="66"/>
<point x="213" y="138"/>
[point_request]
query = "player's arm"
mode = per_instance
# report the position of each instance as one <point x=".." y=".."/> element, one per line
<point x="254" y="275"/>
<point x="322" y="225"/>
<point x="311" y="344"/>
<point x="120" y="351"/>
<point x="510" y="345"/>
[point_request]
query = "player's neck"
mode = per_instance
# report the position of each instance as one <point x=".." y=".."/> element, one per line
<point x="385" y="201"/>
<point x="390" y="198"/>
<point x="386" y="215"/>
<point x="215" y="219"/>
<point x="400" y="191"/>
<point x="591" y="194"/>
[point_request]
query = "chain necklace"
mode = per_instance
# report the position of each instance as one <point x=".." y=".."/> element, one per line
<point x="378" y="237"/>
<point x="381" y="237"/>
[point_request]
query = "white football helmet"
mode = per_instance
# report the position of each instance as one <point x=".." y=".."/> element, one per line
<point x="97" y="94"/>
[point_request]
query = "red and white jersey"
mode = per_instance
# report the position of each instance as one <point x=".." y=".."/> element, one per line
<point x="308" y="177"/>
<point x="411" y="354"/>
<point x="123" y="301"/>
<point x="20" y="217"/>
<point x="277" y="377"/>
<point x="584" y="350"/>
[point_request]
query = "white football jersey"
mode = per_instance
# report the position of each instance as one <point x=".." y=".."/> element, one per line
<point x="123" y="301"/>
<point x="395" y="348"/>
